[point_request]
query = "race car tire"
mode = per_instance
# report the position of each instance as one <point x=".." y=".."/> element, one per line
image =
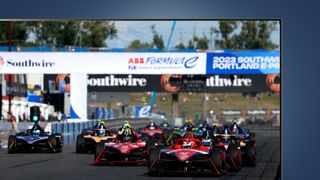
<point x="53" y="143"/>
<point x="234" y="155"/>
<point x="99" y="148"/>
<point x="80" y="144"/>
<point x="150" y="144"/>
<point x="153" y="156"/>
<point x="215" y="157"/>
<point x="251" y="154"/>
<point x="252" y="136"/>
<point x="59" y="143"/>
<point x="12" y="144"/>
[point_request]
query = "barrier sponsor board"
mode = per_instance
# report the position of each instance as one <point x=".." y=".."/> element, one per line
<point x="275" y="111"/>
<point x="244" y="62"/>
<point x="257" y="112"/>
<point x="143" y="111"/>
<point x="231" y="112"/>
<point x="236" y="112"/>
<point x="97" y="63"/>
<point x="157" y="83"/>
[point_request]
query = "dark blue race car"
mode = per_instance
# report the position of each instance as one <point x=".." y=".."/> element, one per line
<point x="34" y="140"/>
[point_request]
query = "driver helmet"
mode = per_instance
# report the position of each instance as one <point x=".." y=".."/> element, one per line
<point x="165" y="124"/>
<point x="100" y="123"/>
<point x="215" y="125"/>
<point x="126" y="124"/>
<point x="188" y="125"/>
<point x="215" y="128"/>
<point x="186" y="144"/>
<point x="152" y="125"/>
<point x="234" y="129"/>
<point x="36" y="132"/>
<point x="101" y="132"/>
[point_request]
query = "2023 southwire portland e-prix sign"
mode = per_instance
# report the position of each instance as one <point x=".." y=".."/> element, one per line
<point x="244" y="62"/>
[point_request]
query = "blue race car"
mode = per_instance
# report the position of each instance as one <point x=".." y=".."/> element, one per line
<point x="34" y="140"/>
<point x="247" y="144"/>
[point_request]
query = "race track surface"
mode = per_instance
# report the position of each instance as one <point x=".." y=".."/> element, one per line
<point x="69" y="165"/>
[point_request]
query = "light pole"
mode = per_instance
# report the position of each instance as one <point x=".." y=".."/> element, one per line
<point x="9" y="79"/>
<point x="205" y="104"/>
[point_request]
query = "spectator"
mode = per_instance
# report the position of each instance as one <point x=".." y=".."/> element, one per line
<point x="24" y="116"/>
<point x="13" y="121"/>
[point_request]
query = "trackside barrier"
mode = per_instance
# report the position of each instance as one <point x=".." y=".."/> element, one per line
<point x="69" y="130"/>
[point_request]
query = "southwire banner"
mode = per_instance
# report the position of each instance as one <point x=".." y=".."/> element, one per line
<point x="142" y="83"/>
<point x="244" y="62"/>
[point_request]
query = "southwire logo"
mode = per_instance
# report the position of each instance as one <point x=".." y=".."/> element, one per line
<point x="30" y="63"/>
<point x="217" y="81"/>
<point x="117" y="81"/>
<point x="169" y="62"/>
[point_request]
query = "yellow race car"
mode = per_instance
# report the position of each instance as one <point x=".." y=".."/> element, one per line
<point x="88" y="139"/>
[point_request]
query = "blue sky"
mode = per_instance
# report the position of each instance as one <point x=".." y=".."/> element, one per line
<point x="184" y="30"/>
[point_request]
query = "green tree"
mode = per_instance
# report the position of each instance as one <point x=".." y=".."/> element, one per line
<point x="96" y="32"/>
<point x="198" y="43"/>
<point x="225" y="40"/>
<point x="136" y="44"/>
<point x="191" y="44"/>
<point x="180" y="46"/>
<point x="46" y="32"/>
<point x="202" y="43"/>
<point x="67" y="33"/>
<point x="18" y="32"/>
<point x="253" y="35"/>
<point x="157" y="39"/>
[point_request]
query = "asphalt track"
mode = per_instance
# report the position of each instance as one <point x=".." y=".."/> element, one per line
<point x="69" y="165"/>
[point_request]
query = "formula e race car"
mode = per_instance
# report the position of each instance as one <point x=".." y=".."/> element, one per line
<point x="185" y="155"/>
<point x="247" y="144"/>
<point x="228" y="145"/>
<point x="124" y="149"/>
<point x="151" y="131"/>
<point x="88" y="139"/>
<point x="34" y="141"/>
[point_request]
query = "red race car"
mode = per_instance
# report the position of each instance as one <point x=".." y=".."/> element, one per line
<point x="124" y="149"/>
<point x="186" y="155"/>
<point x="151" y="131"/>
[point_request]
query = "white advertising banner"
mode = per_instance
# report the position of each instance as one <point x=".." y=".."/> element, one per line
<point x="78" y="94"/>
<point x="103" y="63"/>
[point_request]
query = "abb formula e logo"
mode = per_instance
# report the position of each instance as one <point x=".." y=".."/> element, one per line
<point x="162" y="62"/>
